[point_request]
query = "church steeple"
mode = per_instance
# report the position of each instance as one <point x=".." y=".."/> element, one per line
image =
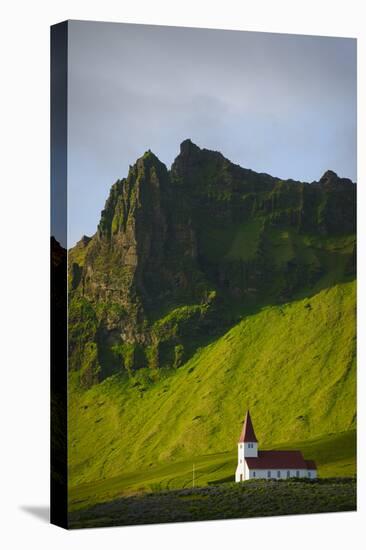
<point x="247" y="433"/>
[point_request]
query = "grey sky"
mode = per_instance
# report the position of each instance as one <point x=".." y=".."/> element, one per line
<point x="281" y="104"/>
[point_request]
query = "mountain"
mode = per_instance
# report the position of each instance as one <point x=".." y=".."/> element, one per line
<point x="206" y="289"/>
<point x="179" y="256"/>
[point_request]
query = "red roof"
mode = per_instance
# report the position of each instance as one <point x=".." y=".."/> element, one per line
<point x="268" y="460"/>
<point x="310" y="464"/>
<point x="247" y="433"/>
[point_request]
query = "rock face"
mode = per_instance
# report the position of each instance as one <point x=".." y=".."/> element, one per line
<point x="179" y="254"/>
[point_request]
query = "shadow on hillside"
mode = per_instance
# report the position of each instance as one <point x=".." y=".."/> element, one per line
<point x="227" y="314"/>
<point x="228" y="479"/>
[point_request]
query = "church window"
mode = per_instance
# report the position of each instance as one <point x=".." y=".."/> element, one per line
<point x="253" y="474"/>
<point x="278" y="473"/>
<point x="297" y="473"/>
<point x="269" y="473"/>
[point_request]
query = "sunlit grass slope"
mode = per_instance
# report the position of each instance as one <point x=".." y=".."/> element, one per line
<point x="335" y="456"/>
<point x="292" y="365"/>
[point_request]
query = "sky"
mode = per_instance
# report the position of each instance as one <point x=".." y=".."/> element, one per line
<point x="276" y="103"/>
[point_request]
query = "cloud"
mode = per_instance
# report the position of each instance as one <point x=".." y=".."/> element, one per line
<point x="283" y="104"/>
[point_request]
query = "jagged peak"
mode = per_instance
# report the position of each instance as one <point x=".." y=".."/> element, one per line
<point x="147" y="161"/>
<point x="328" y="176"/>
<point x="331" y="178"/>
<point x="192" y="157"/>
<point x="187" y="146"/>
<point x="149" y="157"/>
<point x="189" y="155"/>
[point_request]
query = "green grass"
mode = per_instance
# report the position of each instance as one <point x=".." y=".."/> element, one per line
<point x="330" y="255"/>
<point x="292" y="365"/>
<point x="335" y="456"/>
<point x="241" y="500"/>
<point x="232" y="242"/>
<point x="245" y="240"/>
<point x="77" y="254"/>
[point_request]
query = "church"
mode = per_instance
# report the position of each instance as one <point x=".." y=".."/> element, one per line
<point x="255" y="464"/>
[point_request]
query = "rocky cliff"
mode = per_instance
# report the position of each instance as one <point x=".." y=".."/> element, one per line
<point x="181" y="254"/>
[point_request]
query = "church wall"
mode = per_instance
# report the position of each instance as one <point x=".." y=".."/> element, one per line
<point x="284" y="474"/>
<point x="250" y="449"/>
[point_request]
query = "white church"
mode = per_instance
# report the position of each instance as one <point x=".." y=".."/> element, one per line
<point x="255" y="464"/>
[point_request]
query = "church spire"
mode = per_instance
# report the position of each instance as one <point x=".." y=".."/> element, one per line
<point x="247" y="434"/>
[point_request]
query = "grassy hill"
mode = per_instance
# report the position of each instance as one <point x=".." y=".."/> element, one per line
<point x="335" y="456"/>
<point x="293" y="365"/>
<point x="206" y="290"/>
<point x="181" y="254"/>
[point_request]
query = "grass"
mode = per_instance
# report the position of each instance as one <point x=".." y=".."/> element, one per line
<point x="245" y="240"/>
<point x="249" y="499"/>
<point x="77" y="254"/>
<point x="179" y="396"/>
<point x="329" y="255"/>
<point x="295" y="392"/>
<point x="233" y="242"/>
<point x="335" y="455"/>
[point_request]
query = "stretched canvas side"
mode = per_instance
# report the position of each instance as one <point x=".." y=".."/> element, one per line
<point x="59" y="477"/>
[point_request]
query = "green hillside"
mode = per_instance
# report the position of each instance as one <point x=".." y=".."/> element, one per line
<point x="209" y="289"/>
<point x="335" y="456"/>
<point x="181" y="254"/>
<point x="293" y="365"/>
